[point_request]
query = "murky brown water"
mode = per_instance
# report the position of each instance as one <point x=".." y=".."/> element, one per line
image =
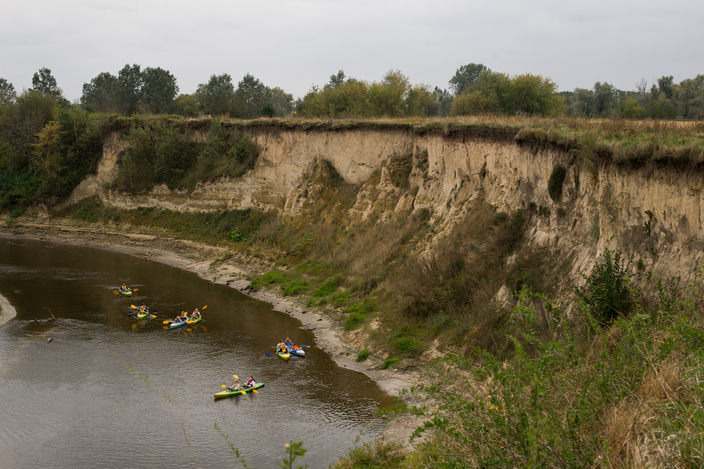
<point x="73" y="402"/>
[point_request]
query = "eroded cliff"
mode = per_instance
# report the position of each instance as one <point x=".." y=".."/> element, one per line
<point x="652" y="214"/>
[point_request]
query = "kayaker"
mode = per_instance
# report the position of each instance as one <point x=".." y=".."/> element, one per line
<point x="288" y="343"/>
<point x="143" y="308"/>
<point x="235" y="386"/>
<point x="281" y="347"/>
<point x="196" y="314"/>
<point x="250" y="382"/>
<point x="125" y="288"/>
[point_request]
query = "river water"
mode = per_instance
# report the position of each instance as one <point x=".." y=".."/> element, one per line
<point x="99" y="388"/>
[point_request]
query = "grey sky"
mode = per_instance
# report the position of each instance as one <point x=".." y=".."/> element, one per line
<point x="297" y="43"/>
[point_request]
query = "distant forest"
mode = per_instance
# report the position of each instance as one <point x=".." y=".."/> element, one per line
<point x="473" y="90"/>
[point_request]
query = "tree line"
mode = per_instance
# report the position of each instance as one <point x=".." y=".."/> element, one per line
<point x="473" y="90"/>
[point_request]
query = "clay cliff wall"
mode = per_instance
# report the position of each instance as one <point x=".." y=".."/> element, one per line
<point x="653" y="214"/>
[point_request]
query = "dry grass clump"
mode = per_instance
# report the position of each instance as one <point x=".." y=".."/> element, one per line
<point x="634" y="429"/>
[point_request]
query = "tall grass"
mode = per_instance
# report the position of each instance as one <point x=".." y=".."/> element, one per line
<point x="627" y="397"/>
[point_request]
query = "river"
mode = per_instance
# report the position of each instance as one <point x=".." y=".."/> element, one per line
<point x="99" y="388"/>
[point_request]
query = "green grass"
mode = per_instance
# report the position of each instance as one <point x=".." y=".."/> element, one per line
<point x="358" y="312"/>
<point x="328" y="286"/>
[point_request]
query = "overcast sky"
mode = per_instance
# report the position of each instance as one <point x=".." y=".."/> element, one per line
<point x="294" y="44"/>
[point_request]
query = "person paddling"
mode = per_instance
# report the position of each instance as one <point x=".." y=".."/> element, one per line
<point x="125" y="288"/>
<point x="143" y="309"/>
<point x="181" y="317"/>
<point x="289" y="344"/>
<point x="235" y="386"/>
<point x="281" y="347"/>
<point x="250" y="382"/>
<point x="196" y="314"/>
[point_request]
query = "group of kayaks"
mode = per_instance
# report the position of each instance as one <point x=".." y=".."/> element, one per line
<point x="284" y="349"/>
<point x="143" y="312"/>
<point x="185" y="319"/>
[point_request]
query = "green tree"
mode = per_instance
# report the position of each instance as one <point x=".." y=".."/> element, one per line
<point x="666" y="85"/>
<point x="690" y="96"/>
<point x="217" y="96"/>
<point x="101" y="93"/>
<point x="129" y="86"/>
<point x="250" y="97"/>
<point x="605" y="99"/>
<point x="336" y="80"/>
<point x="349" y="99"/>
<point x="158" y="90"/>
<point x="475" y="103"/>
<point x="530" y="94"/>
<point x="661" y="108"/>
<point x="21" y="122"/>
<point x="44" y="82"/>
<point x="185" y="105"/>
<point x="7" y="93"/>
<point x="630" y="109"/>
<point x="444" y="99"/>
<point x="282" y="102"/>
<point x="46" y="157"/>
<point x="268" y="110"/>
<point x="583" y="102"/>
<point x="465" y="76"/>
<point x="387" y="97"/>
<point x="421" y="101"/>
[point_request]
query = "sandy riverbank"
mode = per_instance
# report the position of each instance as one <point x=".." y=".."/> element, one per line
<point x="7" y="311"/>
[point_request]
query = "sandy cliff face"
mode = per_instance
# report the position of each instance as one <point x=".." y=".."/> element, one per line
<point x="655" y="214"/>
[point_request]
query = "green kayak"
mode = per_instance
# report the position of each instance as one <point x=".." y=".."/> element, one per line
<point x="239" y="392"/>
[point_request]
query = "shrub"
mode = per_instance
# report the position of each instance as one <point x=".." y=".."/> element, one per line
<point x="17" y="211"/>
<point x="606" y="295"/>
<point x="236" y="236"/>
<point x="377" y="454"/>
<point x="363" y="355"/>
<point x="557" y="178"/>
